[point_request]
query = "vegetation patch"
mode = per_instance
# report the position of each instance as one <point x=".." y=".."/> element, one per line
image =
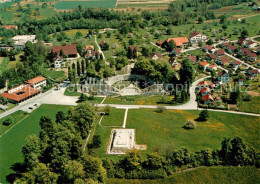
<point x="85" y="4"/>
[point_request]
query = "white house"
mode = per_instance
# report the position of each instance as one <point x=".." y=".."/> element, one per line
<point x="59" y="63"/>
<point x="20" y="40"/>
<point x="196" y="37"/>
<point x="37" y="82"/>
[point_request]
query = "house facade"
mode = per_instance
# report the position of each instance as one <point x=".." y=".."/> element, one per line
<point x="20" y="41"/>
<point x="196" y="37"/>
<point x="223" y="77"/>
<point x="37" y="82"/>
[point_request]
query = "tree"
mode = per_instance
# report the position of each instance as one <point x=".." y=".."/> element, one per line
<point x="82" y="98"/>
<point x="145" y="52"/>
<point x="209" y="42"/>
<point x="189" y="125"/>
<point x="129" y="53"/>
<point x="96" y="142"/>
<point x="244" y="33"/>
<point x="187" y="72"/>
<point x="83" y="118"/>
<point x="31" y="151"/>
<point x="83" y="66"/>
<point x="204" y="115"/>
<point x="60" y="117"/>
<point x="73" y="170"/>
<point x="201" y="20"/>
<point x="7" y="122"/>
<point x="107" y="110"/>
<point x="169" y="31"/>
<point x="171" y="45"/>
<point x="213" y="75"/>
<point x="78" y="68"/>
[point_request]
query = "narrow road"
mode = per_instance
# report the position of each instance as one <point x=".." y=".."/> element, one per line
<point x="244" y="63"/>
<point x="99" y="49"/>
<point x="125" y="117"/>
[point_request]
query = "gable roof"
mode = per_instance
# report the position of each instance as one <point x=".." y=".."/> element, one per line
<point x="158" y="54"/>
<point x="222" y="73"/>
<point x="177" y="51"/>
<point x="132" y="47"/>
<point x="225" y="44"/>
<point x="212" y="56"/>
<point x="67" y="49"/>
<point x="192" y="58"/>
<point x="237" y="62"/>
<point x="205" y="89"/>
<point x="92" y="47"/>
<point x="208" y="47"/>
<point x="203" y="83"/>
<point x="224" y="59"/>
<point x="204" y="63"/>
<point x="232" y="47"/>
<point x="179" y="41"/>
<point x="195" y="34"/>
<point x="220" y="52"/>
<point x="254" y="71"/>
<point x="252" y="54"/>
<point x="241" y="40"/>
<point x="9" y="27"/>
<point x="207" y="97"/>
<point x="35" y="80"/>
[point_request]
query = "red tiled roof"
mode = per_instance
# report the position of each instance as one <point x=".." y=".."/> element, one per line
<point x="192" y="58"/>
<point x="25" y="92"/>
<point x="241" y="40"/>
<point x="102" y="43"/>
<point x="232" y="47"/>
<point x="226" y="44"/>
<point x="90" y="47"/>
<point x="222" y="73"/>
<point x="207" y="97"/>
<point x="237" y="62"/>
<point x="67" y="49"/>
<point x="203" y="90"/>
<point x="253" y="71"/>
<point x="203" y="63"/>
<point x="203" y="83"/>
<point x="93" y="53"/>
<point x="245" y="51"/>
<point x="133" y="48"/>
<point x="220" y="52"/>
<point x="35" y="80"/>
<point x="224" y="59"/>
<point x="8" y="27"/>
<point x="252" y="54"/>
<point x="195" y="34"/>
<point x="159" y="42"/>
<point x="179" y="41"/>
<point x="212" y="56"/>
<point x="208" y="47"/>
<point x="212" y="66"/>
<point x="177" y="50"/>
<point x="159" y="55"/>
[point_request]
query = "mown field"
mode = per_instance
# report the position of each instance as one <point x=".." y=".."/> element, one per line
<point x="252" y="106"/>
<point x="162" y="131"/>
<point x="63" y="5"/>
<point x="207" y="175"/>
<point x="12" y="142"/>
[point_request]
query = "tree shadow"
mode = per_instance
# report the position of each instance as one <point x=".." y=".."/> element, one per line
<point x="19" y="168"/>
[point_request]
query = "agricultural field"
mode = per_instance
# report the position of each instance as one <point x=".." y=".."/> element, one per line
<point x="12" y="142"/>
<point x="64" y="5"/>
<point x="217" y="175"/>
<point x="161" y="131"/>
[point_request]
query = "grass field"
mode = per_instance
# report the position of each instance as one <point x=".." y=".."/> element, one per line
<point x="159" y="131"/>
<point x="12" y="142"/>
<point x="252" y="106"/>
<point x="141" y="100"/>
<point x="85" y="4"/>
<point x="209" y="175"/>
<point x="16" y="117"/>
<point x="58" y="76"/>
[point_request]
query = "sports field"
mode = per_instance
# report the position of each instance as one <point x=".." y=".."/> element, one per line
<point x="12" y="142"/>
<point x="64" y="5"/>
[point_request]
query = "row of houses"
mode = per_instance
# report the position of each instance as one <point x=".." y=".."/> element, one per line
<point x="25" y="91"/>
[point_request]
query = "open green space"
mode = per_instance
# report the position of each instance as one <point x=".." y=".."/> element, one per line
<point x="216" y="175"/>
<point x="85" y="4"/>
<point x="159" y="131"/>
<point x="58" y="76"/>
<point x="252" y="106"/>
<point x="141" y="100"/>
<point x="115" y="118"/>
<point x="12" y="142"/>
<point x="15" y="117"/>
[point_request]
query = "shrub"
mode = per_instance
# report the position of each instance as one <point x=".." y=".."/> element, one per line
<point x="204" y="115"/>
<point x="189" y="125"/>
<point x="107" y="110"/>
<point x="246" y="97"/>
<point x="160" y="109"/>
<point x="7" y="122"/>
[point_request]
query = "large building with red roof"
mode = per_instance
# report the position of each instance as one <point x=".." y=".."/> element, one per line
<point x="179" y="41"/>
<point x="67" y="50"/>
<point x="25" y="91"/>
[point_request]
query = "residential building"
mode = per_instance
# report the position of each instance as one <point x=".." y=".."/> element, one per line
<point x="69" y="51"/>
<point x="207" y="99"/>
<point x="220" y="52"/>
<point x="193" y="59"/>
<point x="223" y="77"/>
<point x="155" y="56"/>
<point x="20" y="40"/>
<point x="196" y="37"/>
<point x="59" y="62"/>
<point x="208" y="48"/>
<point x="211" y="56"/>
<point x="204" y="65"/>
<point x="204" y="91"/>
<point x="251" y="56"/>
<point x="10" y="27"/>
<point x="222" y="60"/>
<point x="179" y="41"/>
<point x="37" y="82"/>
<point x="176" y="52"/>
<point x="241" y="41"/>
<point x="90" y="47"/>
<point x="251" y="74"/>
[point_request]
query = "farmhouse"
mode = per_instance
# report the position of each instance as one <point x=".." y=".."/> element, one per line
<point x="179" y="41"/>
<point x="20" y="93"/>
<point x="65" y="50"/>
<point x="196" y="37"/>
<point x="20" y="40"/>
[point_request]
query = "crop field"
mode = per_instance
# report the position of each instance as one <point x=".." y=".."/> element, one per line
<point x="64" y="5"/>
<point x="12" y="142"/>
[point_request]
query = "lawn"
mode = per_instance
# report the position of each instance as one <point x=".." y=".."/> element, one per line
<point x="115" y="118"/>
<point x="16" y="117"/>
<point x="85" y="4"/>
<point x="58" y="76"/>
<point x="12" y="142"/>
<point x="199" y="53"/>
<point x="71" y="91"/>
<point x="216" y="175"/>
<point x="140" y="100"/>
<point x="159" y="131"/>
<point x="252" y="106"/>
